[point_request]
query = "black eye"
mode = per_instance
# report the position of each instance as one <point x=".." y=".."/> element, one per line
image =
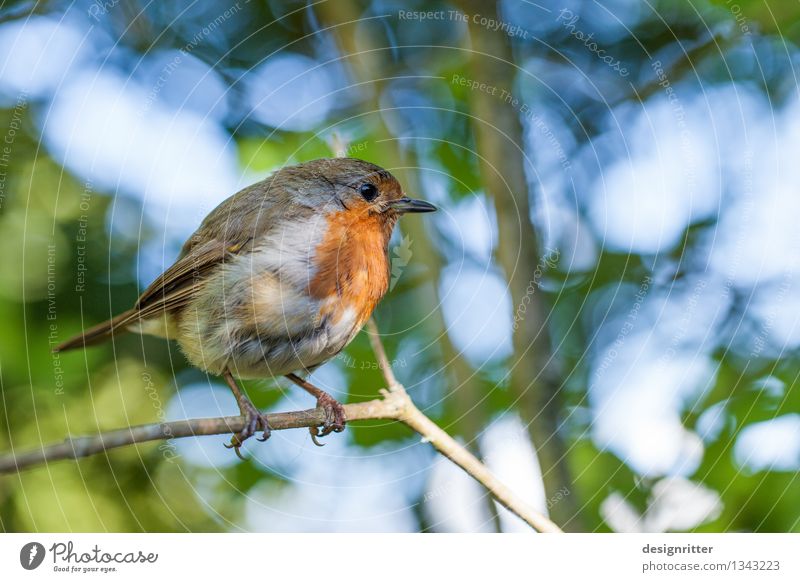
<point x="369" y="192"/>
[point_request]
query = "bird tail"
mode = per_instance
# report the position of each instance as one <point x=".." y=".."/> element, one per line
<point x="99" y="333"/>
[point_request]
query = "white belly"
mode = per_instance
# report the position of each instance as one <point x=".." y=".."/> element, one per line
<point x="257" y="324"/>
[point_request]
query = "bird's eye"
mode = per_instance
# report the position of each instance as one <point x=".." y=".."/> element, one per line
<point x="369" y="192"/>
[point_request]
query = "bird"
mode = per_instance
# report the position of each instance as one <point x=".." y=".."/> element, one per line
<point x="277" y="280"/>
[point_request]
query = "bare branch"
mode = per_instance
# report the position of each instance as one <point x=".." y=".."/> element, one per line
<point x="85" y="446"/>
<point x="450" y="448"/>
<point x="380" y="353"/>
<point x="412" y="417"/>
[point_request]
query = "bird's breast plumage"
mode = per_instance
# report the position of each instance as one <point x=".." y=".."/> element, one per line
<point x="351" y="266"/>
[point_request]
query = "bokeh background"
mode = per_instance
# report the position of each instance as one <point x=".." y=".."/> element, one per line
<point x="605" y="309"/>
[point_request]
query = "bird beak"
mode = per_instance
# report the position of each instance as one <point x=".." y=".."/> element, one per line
<point x="404" y="205"/>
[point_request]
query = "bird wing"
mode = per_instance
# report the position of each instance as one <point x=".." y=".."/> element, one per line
<point x="175" y="287"/>
<point x="230" y="229"/>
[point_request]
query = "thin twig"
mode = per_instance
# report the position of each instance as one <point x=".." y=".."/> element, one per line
<point x="380" y="353"/>
<point x="412" y="417"/>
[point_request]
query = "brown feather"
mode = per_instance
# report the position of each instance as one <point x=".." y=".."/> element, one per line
<point x="98" y="333"/>
<point x="168" y="293"/>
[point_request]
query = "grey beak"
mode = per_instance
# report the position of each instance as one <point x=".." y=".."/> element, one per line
<point x="410" y="205"/>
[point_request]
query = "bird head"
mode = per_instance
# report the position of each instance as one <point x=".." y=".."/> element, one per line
<point x="356" y="187"/>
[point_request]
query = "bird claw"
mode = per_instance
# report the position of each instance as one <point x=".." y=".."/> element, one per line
<point x="314" y="430"/>
<point x="253" y="418"/>
<point x="334" y="418"/>
<point x="236" y="446"/>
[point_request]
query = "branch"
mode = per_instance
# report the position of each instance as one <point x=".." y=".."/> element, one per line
<point x="412" y="417"/>
<point x="395" y="404"/>
<point x="85" y="446"/>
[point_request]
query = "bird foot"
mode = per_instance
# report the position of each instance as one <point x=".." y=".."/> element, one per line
<point x="334" y="418"/>
<point x="254" y="420"/>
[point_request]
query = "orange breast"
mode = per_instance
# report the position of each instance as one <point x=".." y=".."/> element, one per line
<point x="352" y="266"/>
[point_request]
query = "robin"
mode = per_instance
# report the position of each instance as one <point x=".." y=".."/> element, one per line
<point x="276" y="281"/>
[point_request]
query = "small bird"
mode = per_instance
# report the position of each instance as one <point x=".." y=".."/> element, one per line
<point x="277" y="280"/>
